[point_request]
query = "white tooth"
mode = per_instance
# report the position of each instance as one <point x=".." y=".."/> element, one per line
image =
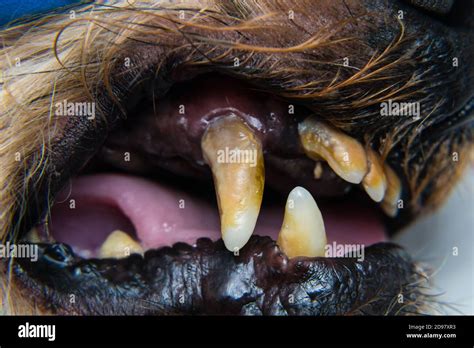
<point x="119" y="245"/>
<point x="238" y="184"/>
<point x="393" y="193"/>
<point x="344" y="154"/>
<point x="375" y="182"/>
<point x="302" y="232"/>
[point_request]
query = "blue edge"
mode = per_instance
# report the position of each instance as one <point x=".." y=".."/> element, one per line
<point x="18" y="10"/>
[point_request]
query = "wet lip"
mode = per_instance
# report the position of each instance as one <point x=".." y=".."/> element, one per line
<point x="207" y="279"/>
<point x="151" y="213"/>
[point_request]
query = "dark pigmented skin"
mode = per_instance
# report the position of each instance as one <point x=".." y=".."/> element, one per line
<point x="207" y="279"/>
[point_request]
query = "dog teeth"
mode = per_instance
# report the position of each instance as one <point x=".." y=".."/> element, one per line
<point x="375" y="182"/>
<point x="345" y="155"/>
<point x="235" y="156"/>
<point x="302" y="232"/>
<point x="392" y="195"/>
<point x="348" y="158"/>
<point x="119" y="245"/>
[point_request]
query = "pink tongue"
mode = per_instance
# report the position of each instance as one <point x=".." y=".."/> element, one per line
<point x="161" y="216"/>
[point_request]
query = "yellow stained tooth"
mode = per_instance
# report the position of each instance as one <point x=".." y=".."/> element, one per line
<point x="119" y="245"/>
<point x="235" y="156"/>
<point x="345" y="155"/>
<point x="375" y="182"/>
<point x="302" y="232"/>
<point x="392" y="195"/>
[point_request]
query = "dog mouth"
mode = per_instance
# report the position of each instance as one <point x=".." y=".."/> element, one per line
<point x="217" y="171"/>
<point x="170" y="215"/>
<point x="229" y="141"/>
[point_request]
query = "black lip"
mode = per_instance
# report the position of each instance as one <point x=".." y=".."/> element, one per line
<point x="207" y="279"/>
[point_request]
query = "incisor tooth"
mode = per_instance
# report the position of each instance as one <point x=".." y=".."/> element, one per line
<point x="302" y="232"/>
<point x="119" y="245"/>
<point x="345" y="155"/>
<point x="392" y="195"/>
<point x="375" y="182"/>
<point x="235" y="156"/>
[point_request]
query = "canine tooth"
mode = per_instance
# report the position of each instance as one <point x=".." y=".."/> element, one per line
<point x="392" y="195"/>
<point x="345" y="155"/>
<point x="375" y="182"/>
<point x="302" y="232"/>
<point x="119" y="245"/>
<point x="238" y="177"/>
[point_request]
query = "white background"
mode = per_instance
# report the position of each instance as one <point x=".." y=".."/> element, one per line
<point x="432" y="240"/>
